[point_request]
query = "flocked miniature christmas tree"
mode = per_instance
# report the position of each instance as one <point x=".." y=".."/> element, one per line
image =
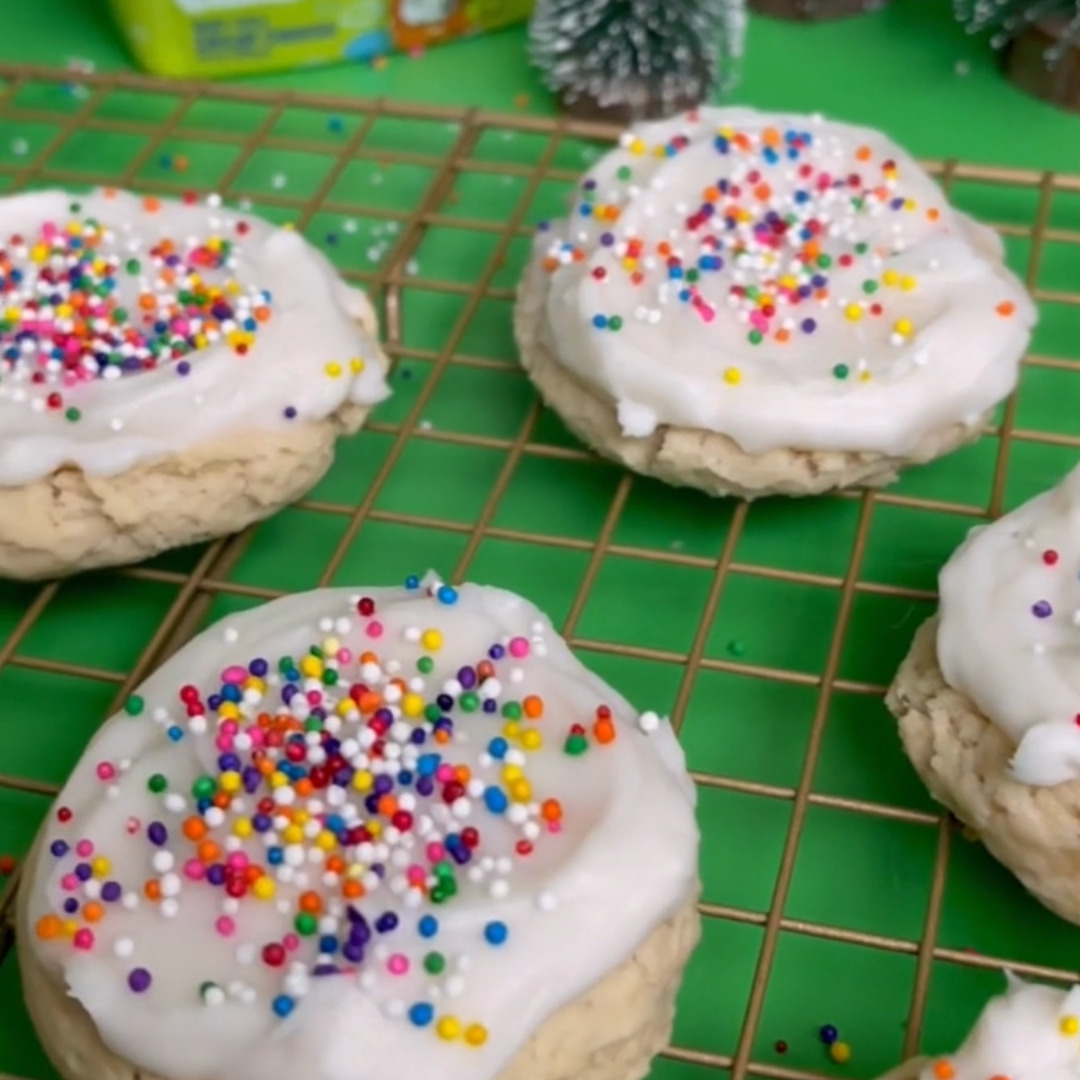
<point x="812" y="10"/>
<point x="1039" y="39"/>
<point x="629" y="60"/>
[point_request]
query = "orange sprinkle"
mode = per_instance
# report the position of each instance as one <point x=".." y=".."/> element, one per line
<point x="109" y="192"/>
<point x="151" y="205"/>
<point x="462" y="774"/>
<point x="252" y="873"/>
<point x="262" y="314"/>
<point x="352" y="890"/>
<point x="442" y="736"/>
<point x="551" y="810"/>
<point x="1006" y="308"/>
<point x="578" y="255"/>
<point x="533" y="707"/>
<point x="194" y="829"/>
<point x="147" y="302"/>
<point x="387" y="805"/>
<point x="304" y="787"/>
<point x="369" y="658"/>
<point x="762" y="192"/>
<point x="933" y="213"/>
<point x="49" y="927"/>
<point x="770" y="137"/>
<point x="209" y="852"/>
<point x="783" y="335"/>
<point x="943" y="1070"/>
<point x="663" y="249"/>
<point x="152" y="890"/>
<point x="311" y="902"/>
<point x="221" y="800"/>
<point x="712" y="194"/>
<point x="370" y="701"/>
<point x="862" y="154"/>
<point x="550" y="264"/>
<point x="93" y="912"/>
<point x="604" y="730"/>
<point x="335" y="864"/>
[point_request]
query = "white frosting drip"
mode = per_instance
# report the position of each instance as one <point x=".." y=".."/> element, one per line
<point x="134" y="418"/>
<point x="576" y="907"/>
<point x="1030" y="1032"/>
<point x="692" y="364"/>
<point x="1009" y="635"/>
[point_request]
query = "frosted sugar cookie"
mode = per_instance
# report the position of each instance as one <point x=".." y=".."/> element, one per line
<point x="397" y="833"/>
<point x="754" y="304"/>
<point x="170" y="371"/>
<point x="1031" y="1032"/>
<point x="988" y="699"/>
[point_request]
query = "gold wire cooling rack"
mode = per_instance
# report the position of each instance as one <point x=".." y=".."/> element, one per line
<point x="391" y="282"/>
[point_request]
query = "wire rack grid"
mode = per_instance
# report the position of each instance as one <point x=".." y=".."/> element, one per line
<point x="834" y="891"/>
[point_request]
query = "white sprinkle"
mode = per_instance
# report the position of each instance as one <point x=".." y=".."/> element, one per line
<point x="278" y="181"/>
<point x="169" y="908"/>
<point x="648" y="722"/>
<point x="547" y="901"/>
<point x="124" y="947"/>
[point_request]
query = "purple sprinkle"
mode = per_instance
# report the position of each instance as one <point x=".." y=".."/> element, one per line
<point x="589" y="185"/>
<point x="59" y="848"/>
<point x="467" y="678"/>
<point x="83" y="871"/>
<point x="808" y="326"/>
<point x="496" y="652"/>
<point x="1042" y="609"/>
<point x="111" y="892"/>
<point x="157" y="833"/>
<point x="183" y="368"/>
<point x="607" y="239"/>
<point x="139" y="980"/>
<point x="71" y="905"/>
<point x="290" y="413"/>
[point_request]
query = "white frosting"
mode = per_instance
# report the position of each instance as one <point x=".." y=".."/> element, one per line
<point x="289" y="364"/>
<point x="1009" y="635"/>
<point x="1030" y="1032"/>
<point x="944" y="347"/>
<point x="621" y="859"/>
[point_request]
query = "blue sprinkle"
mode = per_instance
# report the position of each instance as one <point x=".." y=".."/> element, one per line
<point x="428" y="926"/>
<point x="328" y="944"/>
<point x="495" y="800"/>
<point x="495" y="933"/>
<point x="412" y="582"/>
<point x="599" y="321"/>
<point x="447" y="594"/>
<point x="497" y="748"/>
<point x="421" y="1014"/>
<point x="283" y="1005"/>
<point x="175" y="733"/>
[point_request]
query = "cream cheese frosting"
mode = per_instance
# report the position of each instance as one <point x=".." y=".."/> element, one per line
<point x="786" y="281"/>
<point x="349" y="836"/>
<point x="134" y="327"/>
<point x="1009" y="631"/>
<point x="1031" y="1032"/>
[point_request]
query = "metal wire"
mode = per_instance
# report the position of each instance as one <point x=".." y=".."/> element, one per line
<point x="208" y="580"/>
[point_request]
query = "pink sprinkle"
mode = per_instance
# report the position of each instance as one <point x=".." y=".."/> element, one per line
<point x="225" y="926"/>
<point x="69" y="883"/>
<point x="49" y="230"/>
<point x="759" y="321"/>
<point x="224" y="743"/>
<point x="257" y="736"/>
<point x="416" y="875"/>
<point x="84" y="939"/>
<point x="291" y="942"/>
<point x="444" y="773"/>
<point x="313" y="697"/>
<point x="105" y="771"/>
<point x="194" y="869"/>
<point x="706" y="312"/>
<point x="343" y="656"/>
<point x="234" y="674"/>
<point x="133" y="825"/>
<point x="84" y="849"/>
<point x="398" y="964"/>
<point x="237" y="860"/>
<point x="435" y="852"/>
<point x="374" y="628"/>
<point x="554" y="826"/>
<point x="518" y="647"/>
<point x="230" y="728"/>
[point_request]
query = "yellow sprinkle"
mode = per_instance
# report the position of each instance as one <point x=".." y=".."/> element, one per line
<point x="853" y="312"/>
<point x="629" y="263"/>
<point x="301" y="817"/>
<point x="1069" y="1025"/>
<point x="449" y="1028"/>
<point x="864" y="376"/>
<point x="333" y="370"/>
<point x="100" y="866"/>
<point x="732" y="376"/>
<point x="840" y="1052"/>
<point x="264" y="888"/>
<point x="355" y="870"/>
<point x="242" y="827"/>
<point x="228" y="710"/>
<point x="232" y="288"/>
<point x="326" y="840"/>
<point x="311" y="666"/>
<point x="13" y="314"/>
<point x="230" y="782"/>
<point x="253" y="682"/>
<point x="910" y="204"/>
<point x="363" y="781"/>
<point x="520" y="791"/>
<point x="293" y="834"/>
<point x="532" y="739"/>
<point x="903" y="326"/>
<point x="637" y="147"/>
<point x="63" y="311"/>
<point x="511" y="729"/>
<point x="908" y="282"/>
<point x="70" y="927"/>
<point x="289" y="226"/>
<point x="431" y="640"/>
<point x="511" y="773"/>
<point x="39" y="253"/>
<point x="890" y="277"/>
<point x="330" y="645"/>
<point x="375" y="828"/>
<point x="412" y="705"/>
<point x="356" y="366"/>
<point x="278" y="779"/>
<point x="476" y="1034"/>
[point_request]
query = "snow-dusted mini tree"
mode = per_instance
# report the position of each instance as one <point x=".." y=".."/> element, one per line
<point x="628" y="60"/>
<point x="1008" y="19"/>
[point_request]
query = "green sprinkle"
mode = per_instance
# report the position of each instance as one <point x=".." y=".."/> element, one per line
<point x="824" y="261"/>
<point x="425" y="665"/>
<point x="576" y="745"/>
<point x="72" y="414"/>
<point x="737" y="648"/>
<point x="203" y="788"/>
<point x="306" y="924"/>
<point x="133" y="266"/>
<point x="755" y="337"/>
<point x="624" y="172"/>
<point x="75" y="207"/>
<point x="120" y="315"/>
<point x="432" y="713"/>
<point x="861" y="249"/>
<point x="615" y="322"/>
<point x="316" y="652"/>
<point x="434" y="963"/>
<point x="869" y="287"/>
<point x="469" y="702"/>
<point x="157" y="783"/>
<point x="134" y="705"/>
<point x="512" y="710"/>
<point x="313" y="723"/>
<point x="692" y="275"/>
<point x="330" y="677"/>
<point x="841" y="371"/>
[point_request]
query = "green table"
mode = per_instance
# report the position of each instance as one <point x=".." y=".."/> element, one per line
<point x="801" y="776"/>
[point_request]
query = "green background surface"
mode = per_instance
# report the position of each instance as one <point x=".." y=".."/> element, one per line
<point x="867" y="851"/>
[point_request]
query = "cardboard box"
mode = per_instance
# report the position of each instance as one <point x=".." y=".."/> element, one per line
<point x="216" y="38"/>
